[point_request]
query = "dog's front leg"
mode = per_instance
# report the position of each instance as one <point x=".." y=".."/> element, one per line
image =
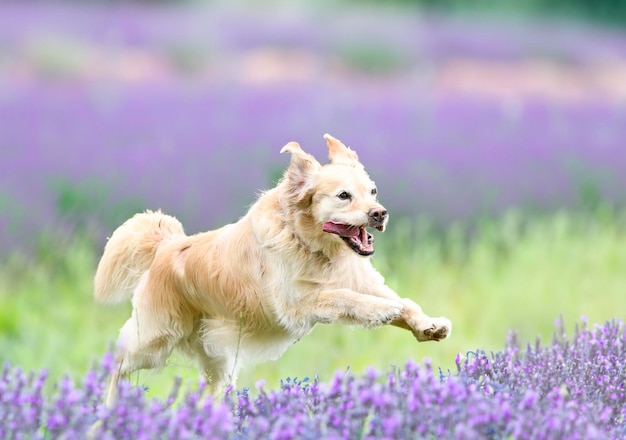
<point x="423" y="327"/>
<point x="345" y="306"/>
<point x="412" y="318"/>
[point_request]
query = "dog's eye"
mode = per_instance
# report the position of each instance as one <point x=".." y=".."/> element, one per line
<point x="374" y="191"/>
<point x="344" y="195"/>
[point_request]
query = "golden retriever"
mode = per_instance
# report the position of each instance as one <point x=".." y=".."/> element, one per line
<point x="249" y="290"/>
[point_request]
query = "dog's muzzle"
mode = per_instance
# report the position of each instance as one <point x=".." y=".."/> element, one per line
<point x="357" y="237"/>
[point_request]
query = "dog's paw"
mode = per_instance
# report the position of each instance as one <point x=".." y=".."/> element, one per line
<point x="432" y="329"/>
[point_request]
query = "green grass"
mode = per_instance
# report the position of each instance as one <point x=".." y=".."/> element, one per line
<point x="506" y="274"/>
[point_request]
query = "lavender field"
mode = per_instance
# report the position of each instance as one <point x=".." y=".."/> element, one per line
<point x="107" y="110"/>
<point x="565" y="389"/>
<point x="496" y="145"/>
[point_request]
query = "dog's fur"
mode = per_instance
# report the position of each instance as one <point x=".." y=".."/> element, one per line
<point x="247" y="291"/>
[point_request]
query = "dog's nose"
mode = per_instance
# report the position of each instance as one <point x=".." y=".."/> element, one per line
<point x="378" y="214"/>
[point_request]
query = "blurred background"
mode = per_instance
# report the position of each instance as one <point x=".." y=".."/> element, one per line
<point x="495" y="132"/>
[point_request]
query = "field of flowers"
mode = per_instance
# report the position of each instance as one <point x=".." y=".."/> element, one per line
<point x="566" y="389"/>
<point x="108" y="109"/>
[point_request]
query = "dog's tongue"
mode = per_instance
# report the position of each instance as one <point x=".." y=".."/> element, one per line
<point x="358" y="236"/>
<point x="341" y="229"/>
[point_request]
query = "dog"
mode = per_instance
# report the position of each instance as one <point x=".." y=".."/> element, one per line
<point x="247" y="291"/>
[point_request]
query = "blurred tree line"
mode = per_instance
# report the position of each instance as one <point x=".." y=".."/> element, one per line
<point x="606" y="11"/>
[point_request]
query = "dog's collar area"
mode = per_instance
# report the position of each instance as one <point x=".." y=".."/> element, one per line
<point x="356" y="237"/>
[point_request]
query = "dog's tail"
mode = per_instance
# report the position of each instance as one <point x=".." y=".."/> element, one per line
<point x="129" y="253"/>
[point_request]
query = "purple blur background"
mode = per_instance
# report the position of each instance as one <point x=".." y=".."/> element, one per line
<point x="110" y="109"/>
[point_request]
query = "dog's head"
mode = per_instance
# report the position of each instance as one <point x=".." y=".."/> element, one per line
<point x="339" y="200"/>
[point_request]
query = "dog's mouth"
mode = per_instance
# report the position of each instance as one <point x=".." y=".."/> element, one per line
<point x="357" y="237"/>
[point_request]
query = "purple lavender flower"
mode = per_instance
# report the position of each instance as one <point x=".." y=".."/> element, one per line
<point x="164" y="143"/>
<point x="573" y="388"/>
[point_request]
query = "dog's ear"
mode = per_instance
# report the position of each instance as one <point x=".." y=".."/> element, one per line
<point x="339" y="154"/>
<point x="301" y="168"/>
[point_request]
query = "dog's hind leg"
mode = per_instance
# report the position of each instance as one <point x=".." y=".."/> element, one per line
<point x="143" y="344"/>
<point x="215" y="372"/>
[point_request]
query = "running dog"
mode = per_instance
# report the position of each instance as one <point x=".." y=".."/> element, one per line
<point x="247" y="291"/>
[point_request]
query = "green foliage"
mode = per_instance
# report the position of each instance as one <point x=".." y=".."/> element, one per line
<point x="188" y="58"/>
<point x="274" y="175"/>
<point x="606" y="11"/>
<point x="511" y="273"/>
<point x="57" y="57"/>
<point x="372" y="58"/>
<point x="48" y="319"/>
<point x="91" y="201"/>
<point x="11" y="210"/>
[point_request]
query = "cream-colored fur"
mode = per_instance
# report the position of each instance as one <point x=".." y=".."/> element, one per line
<point x="247" y="291"/>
